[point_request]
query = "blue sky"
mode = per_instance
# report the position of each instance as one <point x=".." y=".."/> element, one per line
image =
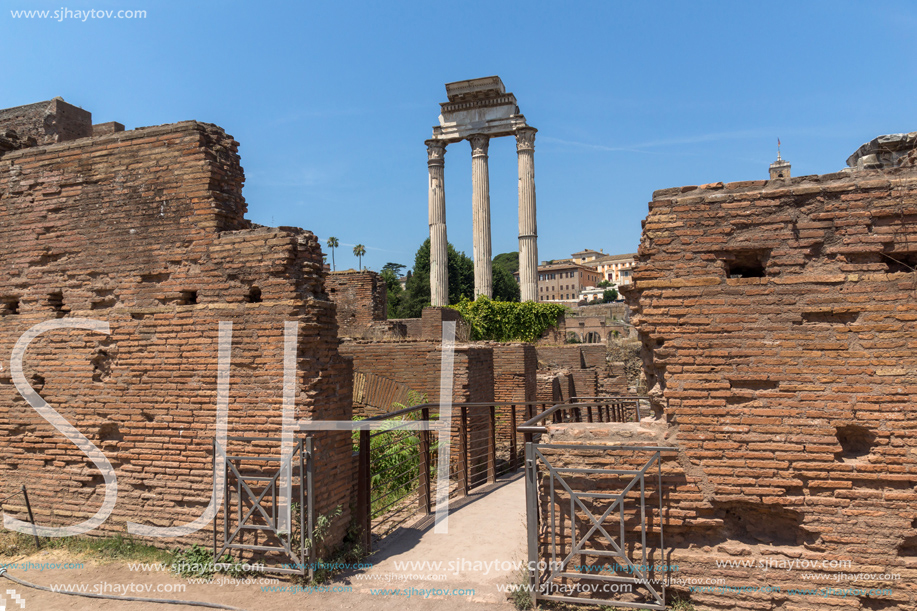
<point x="332" y="101"/>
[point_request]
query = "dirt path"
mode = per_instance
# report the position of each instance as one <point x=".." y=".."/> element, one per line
<point x="486" y="539"/>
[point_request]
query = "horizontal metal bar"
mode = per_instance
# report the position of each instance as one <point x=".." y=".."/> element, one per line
<point x="256" y="548"/>
<point x="567" y="446"/>
<point x="261" y="458"/>
<point x="267" y="569"/>
<point x="608" y="578"/>
<point x="606" y="471"/>
<point x="254" y="527"/>
<point x="597" y="495"/>
<point x="599" y="601"/>
<point x="243" y="438"/>
<point x="599" y="552"/>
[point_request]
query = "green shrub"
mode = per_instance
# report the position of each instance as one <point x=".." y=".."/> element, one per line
<point x="507" y="321"/>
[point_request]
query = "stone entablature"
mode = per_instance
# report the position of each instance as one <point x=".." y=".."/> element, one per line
<point x="478" y="110"/>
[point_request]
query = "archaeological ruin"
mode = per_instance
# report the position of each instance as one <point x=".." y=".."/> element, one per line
<point x="146" y="324"/>
<point x="478" y="110"/>
<point x="142" y="233"/>
<point x="777" y="321"/>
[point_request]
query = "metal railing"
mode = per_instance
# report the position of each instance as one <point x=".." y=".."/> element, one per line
<point x="252" y="505"/>
<point x="397" y="464"/>
<point x="584" y="409"/>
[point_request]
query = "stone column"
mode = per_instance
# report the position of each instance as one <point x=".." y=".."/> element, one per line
<point x="439" y="268"/>
<point x="528" y="230"/>
<point x="480" y="202"/>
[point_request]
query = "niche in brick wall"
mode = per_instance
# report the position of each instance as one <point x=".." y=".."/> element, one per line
<point x="831" y="318"/>
<point x="254" y="295"/>
<point x="56" y="302"/>
<point x="102" y="361"/>
<point x="900" y="262"/>
<point x="746" y="263"/>
<point x="754" y="523"/>
<point x="9" y="306"/>
<point x="856" y="442"/>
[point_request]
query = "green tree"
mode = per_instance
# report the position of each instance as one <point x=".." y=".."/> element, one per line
<point x="417" y="295"/>
<point x="505" y="286"/>
<point x="332" y="244"/>
<point x="358" y="251"/>
<point x="508" y="261"/>
<point x="395" y="294"/>
<point x="395" y="268"/>
<point x="609" y="295"/>
<point x="604" y="284"/>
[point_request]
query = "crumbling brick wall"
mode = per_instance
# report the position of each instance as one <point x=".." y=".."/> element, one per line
<point x="778" y="325"/>
<point x="47" y="122"/>
<point x="360" y="298"/>
<point x="145" y="230"/>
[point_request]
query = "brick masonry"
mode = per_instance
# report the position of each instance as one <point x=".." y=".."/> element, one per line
<point x="47" y="122"/>
<point x="778" y="326"/>
<point x="145" y="230"/>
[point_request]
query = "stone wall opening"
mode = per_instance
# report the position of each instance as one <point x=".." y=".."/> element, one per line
<point x="856" y="441"/>
<point x="746" y="263"/>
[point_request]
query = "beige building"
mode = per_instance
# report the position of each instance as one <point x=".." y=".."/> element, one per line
<point x="616" y="269"/>
<point x="562" y="282"/>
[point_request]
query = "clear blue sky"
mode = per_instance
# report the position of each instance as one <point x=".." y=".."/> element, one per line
<point x="332" y="101"/>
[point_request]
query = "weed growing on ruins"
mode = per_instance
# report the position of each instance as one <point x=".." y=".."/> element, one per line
<point x="118" y="547"/>
<point x="323" y="524"/>
<point x="681" y="604"/>
<point x="520" y="595"/>
<point x="197" y="562"/>
<point x="507" y="321"/>
<point x="350" y="552"/>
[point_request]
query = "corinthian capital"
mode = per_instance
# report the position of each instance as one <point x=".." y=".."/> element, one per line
<point x="525" y="139"/>
<point x="436" y="151"/>
<point x="479" y="144"/>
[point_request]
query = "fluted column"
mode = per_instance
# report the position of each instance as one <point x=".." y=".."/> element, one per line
<point x="480" y="184"/>
<point x="439" y="268"/>
<point x="528" y="228"/>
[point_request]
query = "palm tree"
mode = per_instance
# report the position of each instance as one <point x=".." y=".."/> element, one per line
<point x="358" y="251"/>
<point x="332" y="244"/>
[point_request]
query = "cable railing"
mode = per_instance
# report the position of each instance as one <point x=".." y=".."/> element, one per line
<point x="398" y="462"/>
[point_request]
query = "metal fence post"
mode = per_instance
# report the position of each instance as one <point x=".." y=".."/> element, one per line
<point x="463" y="452"/>
<point x="492" y="444"/>
<point x="423" y="491"/>
<point x="364" y="493"/>
<point x="531" y="505"/>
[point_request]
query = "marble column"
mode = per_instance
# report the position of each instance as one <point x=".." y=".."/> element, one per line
<point x="528" y="229"/>
<point x="439" y="268"/>
<point x="480" y="203"/>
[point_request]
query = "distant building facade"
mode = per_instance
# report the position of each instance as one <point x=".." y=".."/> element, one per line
<point x="562" y="282"/>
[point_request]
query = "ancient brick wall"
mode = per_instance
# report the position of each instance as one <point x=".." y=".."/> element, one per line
<point x="145" y="231"/>
<point x="360" y="299"/>
<point x="47" y="122"/>
<point x="778" y="324"/>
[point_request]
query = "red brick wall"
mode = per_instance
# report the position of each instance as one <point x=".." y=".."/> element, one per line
<point x="47" y="122"/>
<point x="360" y="299"/>
<point x="792" y="390"/>
<point x="145" y="230"/>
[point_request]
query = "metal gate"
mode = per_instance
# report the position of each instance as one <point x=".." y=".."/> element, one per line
<point x="257" y="486"/>
<point x="583" y="529"/>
